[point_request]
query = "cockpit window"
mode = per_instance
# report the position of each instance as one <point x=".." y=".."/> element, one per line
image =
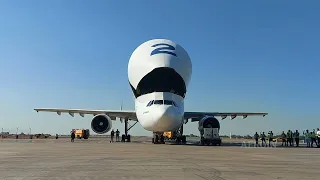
<point x="174" y="104"/>
<point x="158" y="102"/>
<point x="165" y="102"/>
<point x="150" y="103"/>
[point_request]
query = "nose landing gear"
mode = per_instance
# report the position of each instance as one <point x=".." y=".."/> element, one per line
<point x="158" y="138"/>
<point x="181" y="139"/>
<point x="177" y="136"/>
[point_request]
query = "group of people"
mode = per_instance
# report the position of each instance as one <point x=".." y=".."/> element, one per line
<point x="117" y="136"/>
<point x="290" y="138"/>
<point x="312" y="137"/>
<point x="112" y="136"/>
<point x="263" y="138"/>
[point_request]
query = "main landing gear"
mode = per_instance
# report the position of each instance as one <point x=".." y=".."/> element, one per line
<point x="181" y="140"/>
<point x="180" y="137"/>
<point x="126" y="137"/>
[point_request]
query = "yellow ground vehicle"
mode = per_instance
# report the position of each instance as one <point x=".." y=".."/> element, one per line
<point x="168" y="135"/>
<point x="81" y="133"/>
<point x="174" y="135"/>
<point x="279" y="139"/>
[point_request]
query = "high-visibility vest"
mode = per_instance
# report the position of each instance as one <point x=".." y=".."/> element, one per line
<point x="308" y="135"/>
<point x="270" y="135"/>
<point x="289" y="134"/>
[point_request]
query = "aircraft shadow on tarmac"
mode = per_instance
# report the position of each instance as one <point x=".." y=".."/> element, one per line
<point x="238" y="144"/>
<point x="244" y="144"/>
<point x="198" y="144"/>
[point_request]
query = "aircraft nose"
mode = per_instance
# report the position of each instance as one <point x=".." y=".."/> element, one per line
<point x="167" y="119"/>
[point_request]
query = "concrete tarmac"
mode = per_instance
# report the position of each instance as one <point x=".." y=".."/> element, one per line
<point x="97" y="159"/>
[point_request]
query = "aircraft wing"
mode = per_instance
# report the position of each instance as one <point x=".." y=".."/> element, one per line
<point x="196" y="116"/>
<point x="131" y="115"/>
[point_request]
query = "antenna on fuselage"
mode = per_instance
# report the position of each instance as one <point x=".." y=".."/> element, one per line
<point x="121" y="120"/>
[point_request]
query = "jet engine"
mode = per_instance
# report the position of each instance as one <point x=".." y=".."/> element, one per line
<point x="101" y="124"/>
<point x="208" y="122"/>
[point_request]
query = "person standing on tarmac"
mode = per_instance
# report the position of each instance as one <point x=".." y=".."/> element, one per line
<point x="284" y="139"/>
<point x="72" y="136"/>
<point x="318" y="137"/>
<point x="112" y="135"/>
<point x="270" y="137"/>
<point x="256" y="137"/>
<point x="289" y="138"/>
<point x="313" y="138"/>
<point x="118" y="135"/>
<point x="296" y="138"/>
<point x="263" y="139"/>
<point x="307" y="137"/>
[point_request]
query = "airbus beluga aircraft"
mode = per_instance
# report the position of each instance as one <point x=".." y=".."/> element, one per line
<point x="159" y="72"/>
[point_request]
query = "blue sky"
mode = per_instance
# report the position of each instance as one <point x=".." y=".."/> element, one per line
<point x="247" y="56"/>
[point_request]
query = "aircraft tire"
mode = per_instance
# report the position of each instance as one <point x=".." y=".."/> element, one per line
<point x="161" y="139"/>
<point x="184" y="139"/>
<point x="178" y="140"/>
<point x="201" y="142"/>
<point x="156" y="139"/>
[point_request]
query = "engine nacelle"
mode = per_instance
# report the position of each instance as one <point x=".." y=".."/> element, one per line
<point x="101" y="124"/>
<point x="208" y="122"/>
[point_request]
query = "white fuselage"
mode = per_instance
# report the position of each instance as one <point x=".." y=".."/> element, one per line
<point x="159" y="72"/>
<point x="164" y="113"/>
